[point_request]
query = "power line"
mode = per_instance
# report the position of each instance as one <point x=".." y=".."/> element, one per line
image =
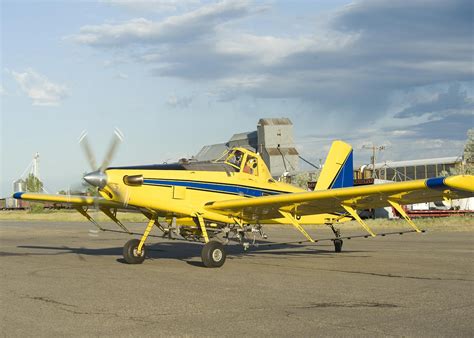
<point x="311" y="164"/>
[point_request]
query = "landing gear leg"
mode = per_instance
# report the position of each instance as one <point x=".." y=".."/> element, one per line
<point x="337" y="241"/>
<point x="134" y="249"/>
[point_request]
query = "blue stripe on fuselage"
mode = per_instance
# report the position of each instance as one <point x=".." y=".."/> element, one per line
<point x="221" y="188"/>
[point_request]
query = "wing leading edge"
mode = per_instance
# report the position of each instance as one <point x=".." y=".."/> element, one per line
<point x="335" y="200"/>
<point x="73" y="200"/>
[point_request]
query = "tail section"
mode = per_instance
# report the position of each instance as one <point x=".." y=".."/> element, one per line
<point x="338" y="169"/>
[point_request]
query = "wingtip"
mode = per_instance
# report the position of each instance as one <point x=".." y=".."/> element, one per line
<point x="18" y="195"/>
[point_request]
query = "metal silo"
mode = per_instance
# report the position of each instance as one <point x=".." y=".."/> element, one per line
<point x="18" y="185"/>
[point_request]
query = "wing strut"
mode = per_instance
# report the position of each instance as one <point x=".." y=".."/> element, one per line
<point x="239" y="222"/>
<point x="84" y="213"/>
<point x="114" y="218"/>
<point x="402" y="212"/>
<point x="356" y="216"/>
<point x="289" y="217"/>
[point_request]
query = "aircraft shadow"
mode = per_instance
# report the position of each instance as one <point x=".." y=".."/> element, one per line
<point x="187" y="251"/>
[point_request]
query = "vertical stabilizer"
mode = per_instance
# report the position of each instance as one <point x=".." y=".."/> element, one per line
<point x="338" y="169"/>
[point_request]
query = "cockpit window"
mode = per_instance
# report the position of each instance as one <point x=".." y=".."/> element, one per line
<point x="231" y="157"/>
<point x="251" y="166"/>
<point x="235" y="158"/>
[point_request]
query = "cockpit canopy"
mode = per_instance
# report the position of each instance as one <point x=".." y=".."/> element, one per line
<point x="240" y="159"/>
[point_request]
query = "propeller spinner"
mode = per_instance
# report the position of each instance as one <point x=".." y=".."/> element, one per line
<point x="96" y="178"/>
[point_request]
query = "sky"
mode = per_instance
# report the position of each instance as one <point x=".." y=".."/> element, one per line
<point x="176" y="75"/>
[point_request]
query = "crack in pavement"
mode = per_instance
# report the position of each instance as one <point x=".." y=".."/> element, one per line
<point x="346" y="305"/>
<point x="399" y="276"/>
<point x="388" y="275"/>
<point x="70" y="309"/>
<point x="47" y="300"/>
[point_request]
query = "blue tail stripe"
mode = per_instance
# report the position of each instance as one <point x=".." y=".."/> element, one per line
<point x="345" y="177"/>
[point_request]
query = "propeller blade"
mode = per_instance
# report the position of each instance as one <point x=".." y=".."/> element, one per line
<point x="83" y="141"/>
<point x="118" y="137"/>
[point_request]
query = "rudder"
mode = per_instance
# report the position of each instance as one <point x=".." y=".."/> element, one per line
<point x="338" y="169"/>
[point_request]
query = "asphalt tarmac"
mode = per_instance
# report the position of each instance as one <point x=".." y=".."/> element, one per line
<point x="58" y="279"/>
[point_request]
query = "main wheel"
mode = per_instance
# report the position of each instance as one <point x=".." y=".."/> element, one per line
<point x="213" y="254"/>
<point x="130" y="253"/>
<point x="338" y="245"/>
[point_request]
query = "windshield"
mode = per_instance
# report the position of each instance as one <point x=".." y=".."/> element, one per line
<point x="231" y="157"/>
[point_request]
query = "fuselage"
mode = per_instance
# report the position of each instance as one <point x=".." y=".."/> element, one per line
<point x="183" y="189"/>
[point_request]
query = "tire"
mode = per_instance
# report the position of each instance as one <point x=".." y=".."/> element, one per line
<point x="338" y="245"/>
<point x="213" y="254"/>
<point x="130" y="252"/>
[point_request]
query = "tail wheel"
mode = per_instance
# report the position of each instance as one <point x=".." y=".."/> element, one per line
<point x="338" y="245"/>
<point x="213" y="254"/>
<point x="130" y="252"/>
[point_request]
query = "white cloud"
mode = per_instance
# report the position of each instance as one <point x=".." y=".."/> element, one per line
<point x="179" y="101"/>
<point x="122" y="76"/>
<point x="152" y="5"/>
<point x="369" y="49"/>
<point x="453" y="100"/>
<point x="353" y="62"/>
<point x="179" y="28"/>
<point x="39" y="88"/>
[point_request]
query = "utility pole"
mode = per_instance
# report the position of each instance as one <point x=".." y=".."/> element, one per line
<point x="374" y="149"/>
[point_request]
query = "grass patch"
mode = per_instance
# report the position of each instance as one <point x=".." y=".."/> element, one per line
<point x="66" y="216"/>
<point x="453" y="223"/>
<point x="456" y="223"/>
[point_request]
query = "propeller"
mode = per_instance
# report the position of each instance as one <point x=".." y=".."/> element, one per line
<point x="84" y="142"/>
<point x="97" y="177"/>
<point x="116" y="140"/>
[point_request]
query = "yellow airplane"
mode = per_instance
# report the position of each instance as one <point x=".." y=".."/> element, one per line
<point x="226" y="199"/>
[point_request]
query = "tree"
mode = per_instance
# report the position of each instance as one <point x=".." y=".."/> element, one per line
<point x="468" y="155"/>
<point x="467" y="165"/>
<point x="33" y="184"/>
<point x="301" y="180"/>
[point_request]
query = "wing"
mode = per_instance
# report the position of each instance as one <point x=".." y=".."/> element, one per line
<point x="74" y="200"/>
<point x="334" y="200"/>
<point x="80" y="203"/>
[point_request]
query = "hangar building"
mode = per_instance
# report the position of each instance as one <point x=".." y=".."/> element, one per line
<point x="410" y="170"/>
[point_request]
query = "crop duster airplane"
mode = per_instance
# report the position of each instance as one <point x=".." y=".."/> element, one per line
<point x="232" y="197"/>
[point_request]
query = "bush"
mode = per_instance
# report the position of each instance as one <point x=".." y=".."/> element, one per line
<point x="36" y="208"/>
